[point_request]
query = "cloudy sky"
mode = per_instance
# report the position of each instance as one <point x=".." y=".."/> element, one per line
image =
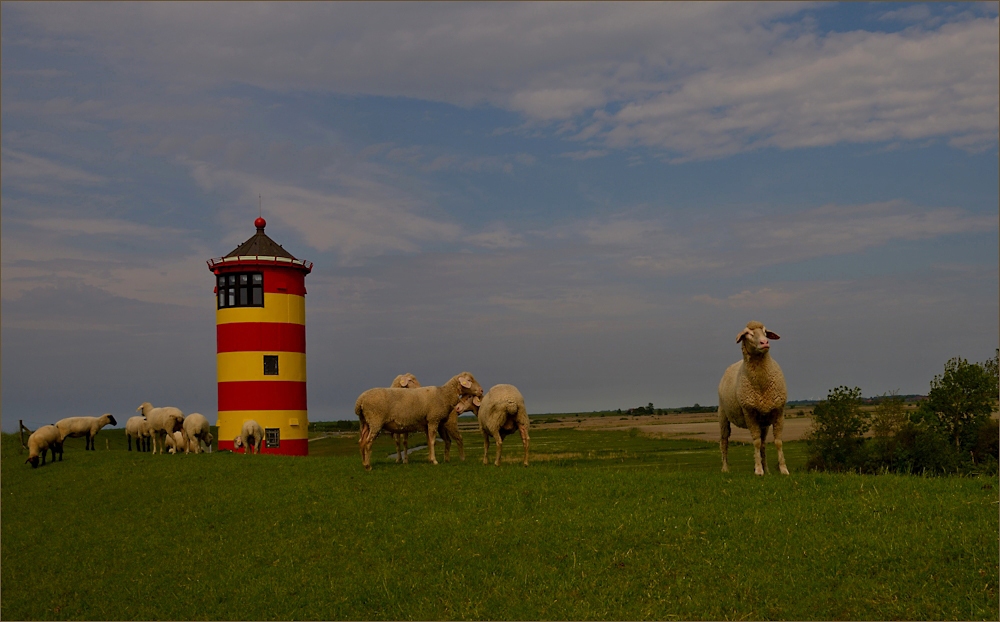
<point x="588" y="201"/>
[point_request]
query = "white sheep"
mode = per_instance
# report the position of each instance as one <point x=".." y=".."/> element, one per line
<point x="752" y="395"/>
<point x="399" y="410"/>
<point x="138" y="428"/>
<point x="501" y="413"/>
<point x="41" y="440"/>
<point x="175" y="443"/>
<point x="162" y="421"/>
<point x="75" y="427"/>
<point x="250" y="437"/>
<point x="403" y="381"/>
<point x="197" y="431"/>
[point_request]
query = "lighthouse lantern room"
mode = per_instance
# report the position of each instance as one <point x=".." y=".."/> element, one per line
<point x="260" y="323"/>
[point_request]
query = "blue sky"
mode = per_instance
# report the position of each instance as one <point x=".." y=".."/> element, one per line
<point x="588" y="201"/>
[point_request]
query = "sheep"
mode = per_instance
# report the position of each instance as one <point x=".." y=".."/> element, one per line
<point x="502" y="411"/>
<point x="162" y="421"/>
<point x="138" y="428"/>
<point x="175" y="443"/>
<point x="250" y="437"/>
<point x="752" y="395"/>
<point x="41" y="440"/>
<point x="196" y="431"/>
<point x="410" y="410"/>
<point x="403" y="381"/>
<point x="75" y="427"/>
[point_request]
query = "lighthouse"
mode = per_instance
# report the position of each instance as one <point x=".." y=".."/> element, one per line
<point x="260" y="323"/>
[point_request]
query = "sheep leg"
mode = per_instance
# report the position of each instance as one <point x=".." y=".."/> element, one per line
<point x="431" y="434"/>
<point x="524" y="440"/>
<point x="754" y="428"/>
<point x="366" y="451"/>
<point x="406" y="448"/>
<point x="447" y="442"/>
<point x="399" y="455"/>
<point x="499" y="442"/>
<point x="486" y="446"/>
<point x="763" y="447"/>
<point x="779" y="423"/>
<point x="725" y="430"/>
<point x="451" y="427"/>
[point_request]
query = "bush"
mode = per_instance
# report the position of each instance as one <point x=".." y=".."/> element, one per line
<point x="836" y="441"/>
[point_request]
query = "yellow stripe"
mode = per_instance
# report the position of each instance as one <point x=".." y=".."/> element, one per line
<point x="231" y="422"/>
<point x="285" y="308"/>
<point x="243" y="366"/>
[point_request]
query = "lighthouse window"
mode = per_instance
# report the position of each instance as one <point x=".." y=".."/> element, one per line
<point x="241" y="290"/>
<point x="270" y="365"/>
<point x="272" y="437"/>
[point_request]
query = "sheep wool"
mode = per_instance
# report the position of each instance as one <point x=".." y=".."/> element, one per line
<point x="88" y="427"/>
<point x="137" y="428"/>
<point x="752" y="395"/>
<point x="196" y="431"/>
<point x="162" y="421"/>
<point x="403" y="381"/>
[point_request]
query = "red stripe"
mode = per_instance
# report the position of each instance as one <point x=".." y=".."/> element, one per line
<point x="276" y="280"/>
<point x="262" y="395"/>
<point x="287" y="447"/>
<point x="261" y="336"/>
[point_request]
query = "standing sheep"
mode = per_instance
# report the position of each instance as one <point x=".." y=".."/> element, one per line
<point x="138" y="428"/>
<point x="752" y="395"/>
<point x="250" y="437"/>
<point x="501" y="412"/>
<point x="162" y="421"/>
<point x="410" y="410"/>
<point x="75" y="427"/>
<point x="196" y="431"/>
<point x="403" y="381"/>
<point x="41" y="440"/>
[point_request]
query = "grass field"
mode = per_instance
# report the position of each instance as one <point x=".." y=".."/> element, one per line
<point x="602" y="525"/>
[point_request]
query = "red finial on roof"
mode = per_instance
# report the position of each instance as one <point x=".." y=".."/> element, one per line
<point x="260" y="223"/>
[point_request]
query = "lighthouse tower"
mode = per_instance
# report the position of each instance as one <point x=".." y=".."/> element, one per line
<point x="260" y="323"/>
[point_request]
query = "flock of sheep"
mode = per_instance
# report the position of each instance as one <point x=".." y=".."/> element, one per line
<point x="752" y="395"/>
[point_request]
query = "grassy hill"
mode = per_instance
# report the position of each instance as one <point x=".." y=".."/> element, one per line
<point x="602" y="525"/>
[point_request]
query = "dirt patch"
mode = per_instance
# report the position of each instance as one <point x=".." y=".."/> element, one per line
<point x="702" y="426"/>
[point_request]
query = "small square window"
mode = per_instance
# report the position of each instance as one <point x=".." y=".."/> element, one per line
<point x="243" y="279"/>
<point x="258" y="279"/>
<point x="270" y="364"/>
<point x="232" y="279"/>
<point x="272" y="437"/>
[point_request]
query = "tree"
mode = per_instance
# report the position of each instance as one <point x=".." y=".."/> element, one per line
<point x="961" y="400"/>
<point x="838" y="430"/>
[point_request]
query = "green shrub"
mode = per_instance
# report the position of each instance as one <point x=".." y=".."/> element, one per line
<point x="837" y="438"/>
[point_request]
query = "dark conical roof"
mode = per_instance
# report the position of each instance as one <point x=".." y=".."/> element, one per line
<point x="260" y="244"/>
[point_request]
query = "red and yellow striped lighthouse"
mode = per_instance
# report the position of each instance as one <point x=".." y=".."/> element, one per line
<point x="260" y="323"/>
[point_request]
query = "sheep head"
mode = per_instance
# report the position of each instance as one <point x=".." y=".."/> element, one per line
<point x="405" y="381"/>
<point x="33" y="461"/>
<point x="144" y="408"/>
<point x="467" y="385"/>
<point x="237" y="443"/>
<point x="111" y="419"/>
<point x="467" y="403"/>
<point x="755" y="339"/>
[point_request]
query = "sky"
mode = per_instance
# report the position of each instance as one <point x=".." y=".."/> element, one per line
<point x="588" y="201"/>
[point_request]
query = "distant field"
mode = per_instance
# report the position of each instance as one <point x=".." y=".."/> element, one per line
<point x="602" y="525"/>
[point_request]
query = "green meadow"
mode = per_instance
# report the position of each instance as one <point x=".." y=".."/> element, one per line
<point x="601" y="525"/>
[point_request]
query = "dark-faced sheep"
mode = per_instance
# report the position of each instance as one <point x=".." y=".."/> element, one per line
<point x="88" y="427"/>
<point x="41" y="440"/>
<point x="410" y="410"/>
<point x="752" y="395"/>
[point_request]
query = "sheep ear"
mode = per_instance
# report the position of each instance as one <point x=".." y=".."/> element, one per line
<point x="771" y="335"/>
<point x="465" y="382"/>
<point x="476" y="401"/>
<point x="743" y="333"/>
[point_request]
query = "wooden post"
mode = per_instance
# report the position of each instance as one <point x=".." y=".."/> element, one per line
<point x="21" y="431"/>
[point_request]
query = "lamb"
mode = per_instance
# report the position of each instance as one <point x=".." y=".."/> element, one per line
<point x="162" y="421"/>
<point x="75" y="427"/>
<point x="175" y="443"/>
<point x="196" y="431"/>
<point x="403" y="381"/>
<point x="138" y="428"/>
<point x="41" y="440"/>
<point x="501" y="412"/>
<point x="752" y="395"/>
<point x="250" y="437"/>
<point x="410" y="410"/>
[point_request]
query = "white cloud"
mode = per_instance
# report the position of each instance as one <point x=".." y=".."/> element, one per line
<point x="20" y="167"/>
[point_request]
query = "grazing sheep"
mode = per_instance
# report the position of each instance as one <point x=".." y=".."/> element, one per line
<point x="403" y="381"/>
<point x="410" y="410"/>
<point x="162" y="421"/>
<point x="138" y="428"/>
<point x="196" y="431"/>
<point x="41" y="440"/>
<point x="75" y="427"/>
<point x="752" y="395"/>
<point x="250" y="437"/>
<point x="501" y="412"/>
